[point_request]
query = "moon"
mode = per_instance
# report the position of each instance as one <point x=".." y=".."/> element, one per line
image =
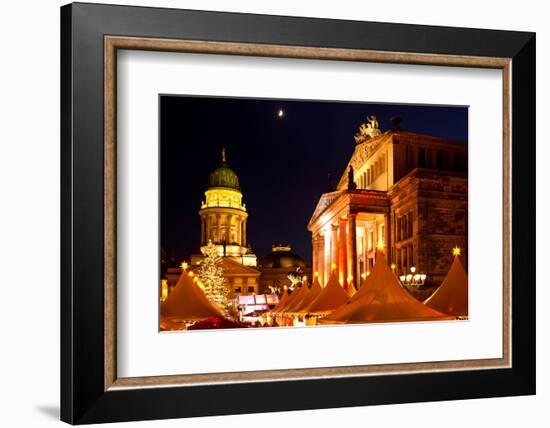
<point x="280" y="113"/>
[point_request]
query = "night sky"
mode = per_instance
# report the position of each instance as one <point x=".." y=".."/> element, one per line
<point x="282" y="163"/>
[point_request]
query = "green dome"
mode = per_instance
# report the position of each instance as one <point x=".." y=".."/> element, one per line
<point x="224" y="176"/>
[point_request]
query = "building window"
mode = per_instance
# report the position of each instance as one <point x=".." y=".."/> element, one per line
<point x="440" y="160"/>
<point x="456" y="162"/>
<point x="421" y="157"/>
<point x="237" y="289"/>
<point x="251" y="289"/>
<point x="410" y="225"/>
<point x="371" y="239"/>
<point x="381" y="237"/>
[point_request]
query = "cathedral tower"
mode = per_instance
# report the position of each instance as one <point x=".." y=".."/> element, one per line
<point x="223" y="215"/>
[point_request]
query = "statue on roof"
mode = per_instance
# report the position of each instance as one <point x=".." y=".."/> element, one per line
<point x="369" y="129"/>
<point x="352" y="185"/>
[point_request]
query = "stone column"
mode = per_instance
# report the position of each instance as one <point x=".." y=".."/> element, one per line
<point x="326" y="255"/>
<point x="321" y="259"/>
<point x="202" y="230"/>
<point x="244" y="233"/>
<point x="334" y="247"/>
<point x="314" y="262"/>
<point x="352" y="237"/>
<point x="342" y="252"/>
<point x="229" y="220"/>
<point x="387" y="241"/>
<point x="218" y="227"/>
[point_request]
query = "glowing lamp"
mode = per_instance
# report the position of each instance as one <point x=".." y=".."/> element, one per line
<point x="363" y="275"/>
<point x="392" y="266"/>
<point x="380" y="246"/>
<point x="316" y="274"/>
<point x="191" y="274"/>
<point x="413" y="269"/>
<point x="350" y="278"/>
<point x="402" y="278"/>
<point x="333" y="266"/>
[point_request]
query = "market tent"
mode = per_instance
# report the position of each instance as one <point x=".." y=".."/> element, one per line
<point x="187" y="302"/>
<point x="314" y="291"/>
<point x="452" y="295"/>
<point x="352" y="291"/>
<point x="290" y="301"/>
<point x="301" y="294"/>
<point x="383" y="300"/>
<point x="375" y="275"/>
<point x="282" y="301"/>
<point x="331" y="297"/>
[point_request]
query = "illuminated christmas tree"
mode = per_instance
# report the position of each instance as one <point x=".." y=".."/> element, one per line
<point x="211" y="276"/>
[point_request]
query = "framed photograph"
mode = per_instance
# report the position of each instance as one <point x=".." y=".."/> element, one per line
<point x="265" y="213"/>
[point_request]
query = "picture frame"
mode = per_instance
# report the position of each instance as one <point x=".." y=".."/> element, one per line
<point x="91" y="391"/>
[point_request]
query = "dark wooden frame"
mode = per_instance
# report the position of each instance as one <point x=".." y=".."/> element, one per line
<point x="87" y="393"/>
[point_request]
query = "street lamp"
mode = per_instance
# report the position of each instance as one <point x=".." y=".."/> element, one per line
<point x="413" y="280"/>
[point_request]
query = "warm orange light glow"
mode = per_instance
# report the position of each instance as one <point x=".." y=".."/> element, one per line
<point x="191" y="274"/>
<point x="350" y="278"/>
<point x="392" y="266"/>
<point x="363" y="275"/>
<point x="316" y="274"/>
<point x="333" y="266"/>
<point x="184" y="265"/>
<point x="457" y="251"/>
<point x="380" y="246"/>
<point x="164" y="290"/>
<point x="304" y="278"/>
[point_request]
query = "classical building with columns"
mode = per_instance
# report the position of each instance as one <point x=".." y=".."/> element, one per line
<point x="404" y="191"/>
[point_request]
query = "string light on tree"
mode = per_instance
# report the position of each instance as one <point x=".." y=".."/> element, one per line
<point x="211" y="276"/>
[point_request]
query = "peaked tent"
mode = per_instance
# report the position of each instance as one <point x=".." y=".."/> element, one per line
<point x="301" y="294"/>
<point x="384" y="300"/>
<point x="352" y="291"/>
<point x="187" y="302"/>
<point x="375" y="275"/>
<point x="452" y="295"/>
<point x="282" y="301"/>
<point x="331" y="297"/>
<point x="314" y="291"/>
<point x="290" y="301"/>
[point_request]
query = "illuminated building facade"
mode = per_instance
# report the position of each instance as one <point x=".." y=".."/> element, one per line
<point x="276" y="266"/>
<point x="223" y="218"/>
<point x="404" y="191"/>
